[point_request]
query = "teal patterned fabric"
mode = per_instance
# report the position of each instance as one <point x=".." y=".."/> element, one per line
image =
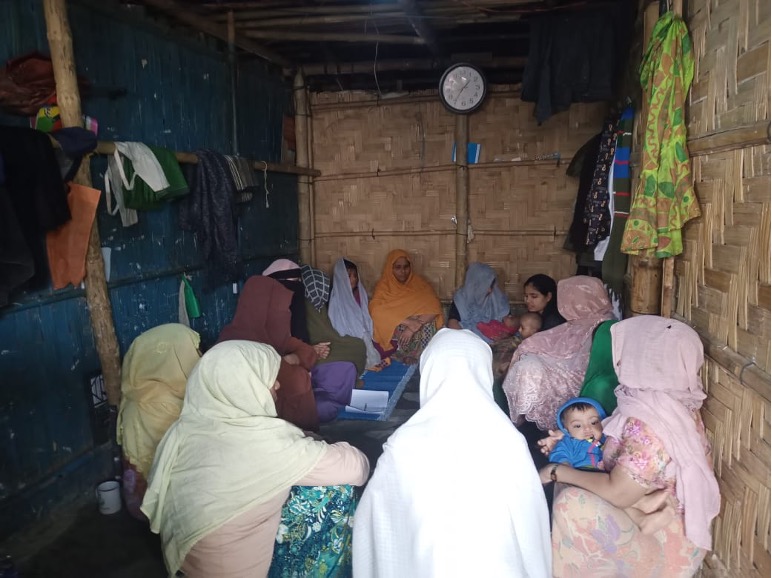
<point x="314" y="537"/>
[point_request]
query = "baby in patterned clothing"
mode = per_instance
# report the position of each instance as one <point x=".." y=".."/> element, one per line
<point x="580" y="445"/>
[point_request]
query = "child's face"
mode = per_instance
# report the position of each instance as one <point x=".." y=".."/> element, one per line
<point x="353" y="278"/>
<point x="528" y="327"/>
<point x="583" y="424"/>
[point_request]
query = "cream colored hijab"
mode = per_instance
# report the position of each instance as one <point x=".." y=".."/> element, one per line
<point x="227" y="453"/>
<point x="155" y="370"/>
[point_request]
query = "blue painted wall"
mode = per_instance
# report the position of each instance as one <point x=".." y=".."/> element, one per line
<point x="176" y="94"/>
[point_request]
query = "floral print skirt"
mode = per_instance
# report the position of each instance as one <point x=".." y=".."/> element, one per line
<point x="590" y="537"/>
<point x="314" y="537"/>
<point x="410" y="354"/>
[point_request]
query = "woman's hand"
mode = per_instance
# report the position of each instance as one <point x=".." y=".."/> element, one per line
<point x="413" y="324"/>
<point x="406" y="336"/>
<point x="322" y="349"/>
<point x="545" y="474"/>
<point x="547" y="444"/>
<point x="292" y="359"/>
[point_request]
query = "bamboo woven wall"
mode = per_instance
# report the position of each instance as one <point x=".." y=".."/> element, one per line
<point x="724" y="275"/>
<point x="388" y="181"/>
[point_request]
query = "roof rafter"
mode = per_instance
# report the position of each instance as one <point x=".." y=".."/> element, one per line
<point x="424" y="31"/>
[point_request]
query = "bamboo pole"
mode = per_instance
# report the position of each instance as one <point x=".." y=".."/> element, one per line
<point x="404" y="64"/>
<point x="97" y="297"/>
<point x="442" y="232"/>
<point x="302" y="159"/>
<point x="462" y="195"/>
<point x="668" y="264"/>
<point x="334" y="37"/>
<point x="420" y="25"/>
<point x="646" y="272"/>
<point x="738" y="137"/>
<point x="376" y="102"/>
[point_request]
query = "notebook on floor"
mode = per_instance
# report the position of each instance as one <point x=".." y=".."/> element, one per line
<point x="380" y="394"/>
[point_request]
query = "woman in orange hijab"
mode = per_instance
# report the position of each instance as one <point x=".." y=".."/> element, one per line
<point x="405" y="309"/>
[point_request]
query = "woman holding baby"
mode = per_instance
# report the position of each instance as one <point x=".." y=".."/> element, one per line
<point x="656" y="458"/>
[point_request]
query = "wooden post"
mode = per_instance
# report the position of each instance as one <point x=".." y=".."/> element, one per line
<point x="305" y="227"/>
<point x="668" y="264"/>
<point x="97" y="297"/>
<point x="462" y="195"/>
<point x="645" y="272"/>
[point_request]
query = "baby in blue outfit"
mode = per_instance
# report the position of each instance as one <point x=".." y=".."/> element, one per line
<point x="582" y="448"/>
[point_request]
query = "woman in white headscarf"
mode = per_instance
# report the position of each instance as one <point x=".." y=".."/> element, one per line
<point x="442" y="501"/>
<point x="224" y="470"/>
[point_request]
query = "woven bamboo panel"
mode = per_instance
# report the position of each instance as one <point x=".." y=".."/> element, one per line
<point x="412" y="202"/>
<point x="507" y="129"/>
<point x="382" y="138"/>
<point x="737" y="422"/>
<point x="723" y="277"/>
<point x="431" y="256"/>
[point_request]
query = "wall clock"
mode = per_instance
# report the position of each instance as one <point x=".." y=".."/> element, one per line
<point x="462" y="88"/>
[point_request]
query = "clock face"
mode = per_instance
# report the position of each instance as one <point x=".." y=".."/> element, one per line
<point x="462" y="88"/>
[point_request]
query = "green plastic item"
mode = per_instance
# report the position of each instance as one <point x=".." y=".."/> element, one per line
<point x="191" y="302"/>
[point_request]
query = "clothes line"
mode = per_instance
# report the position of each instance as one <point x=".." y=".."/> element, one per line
<point x="108" y="148"/>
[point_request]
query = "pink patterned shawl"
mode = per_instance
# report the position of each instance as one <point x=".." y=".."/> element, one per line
<point x="658" y="362"/>
<point x="547" y="369"/>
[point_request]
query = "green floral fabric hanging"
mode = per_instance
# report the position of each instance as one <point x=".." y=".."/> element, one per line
<point x="664" y="197"/>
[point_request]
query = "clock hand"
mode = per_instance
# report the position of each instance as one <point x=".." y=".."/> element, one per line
<point x="462" y="90"/>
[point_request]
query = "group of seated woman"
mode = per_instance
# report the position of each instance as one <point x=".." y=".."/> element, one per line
<point x="239" y="486"/>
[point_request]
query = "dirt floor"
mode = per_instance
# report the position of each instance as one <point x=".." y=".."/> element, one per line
<point x="83" y="543"/>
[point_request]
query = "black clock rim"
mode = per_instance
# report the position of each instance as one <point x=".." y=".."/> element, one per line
<point x="449" y="106"/>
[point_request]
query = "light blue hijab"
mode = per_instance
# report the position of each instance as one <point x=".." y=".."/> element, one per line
<point x="475" y="303"/>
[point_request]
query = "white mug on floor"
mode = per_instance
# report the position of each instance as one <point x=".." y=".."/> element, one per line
<point x="108" y="495"/>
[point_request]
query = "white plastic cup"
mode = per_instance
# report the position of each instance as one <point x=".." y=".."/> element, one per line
<point x="108" y="494"/>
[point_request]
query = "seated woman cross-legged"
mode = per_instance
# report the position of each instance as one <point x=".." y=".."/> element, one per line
<point x="219" y="487"/>
<point x="655" y="444"/>
<point x="405" y="309"/>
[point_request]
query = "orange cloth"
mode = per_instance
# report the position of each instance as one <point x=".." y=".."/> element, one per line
<point x="393" y="302"/>
<point x="67" y="245"/>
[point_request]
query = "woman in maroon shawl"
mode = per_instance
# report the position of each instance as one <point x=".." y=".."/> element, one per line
<point x="263" y="315"/>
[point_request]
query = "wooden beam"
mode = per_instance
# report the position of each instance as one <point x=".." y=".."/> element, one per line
<point x="97" y="296"/>
<point x="332" y="37"/>
<point x="323" y="20"/>
<point x="731" y="139"/>
<point x="424" y="31"/>
<point x="344" y="68"/>
<point x="410" y="100"/>
<point x="183" y="14"/>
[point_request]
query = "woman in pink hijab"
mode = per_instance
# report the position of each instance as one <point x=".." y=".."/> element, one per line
<point x="547" y="369"/>
<point x="656" y="452"/>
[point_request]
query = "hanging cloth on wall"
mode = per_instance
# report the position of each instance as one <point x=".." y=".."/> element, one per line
<point x="35" y="190"/>
<point x="582" y="166"/>
<point x="209" y="211"/>
<point x="614" y="260"/>
<point x="664" y="195"/>
<point x="67" y="246"/>
<point x="243" y="178"/>
<point x="16" y="264"/>
<point x="144" y="196"/>
<point x="596" y="210"/>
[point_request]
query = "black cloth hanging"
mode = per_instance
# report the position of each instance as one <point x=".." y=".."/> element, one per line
<point x="35" y="192"/>
<point x="586" y="158"/>
<point x="575" y="57"/>
<point x="292" y="280"/>
<point x="209" y="211"/>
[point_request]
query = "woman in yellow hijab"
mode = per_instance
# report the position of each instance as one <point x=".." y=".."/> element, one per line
<point x="405" y="309"/>
<point x="155" y="371"/>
